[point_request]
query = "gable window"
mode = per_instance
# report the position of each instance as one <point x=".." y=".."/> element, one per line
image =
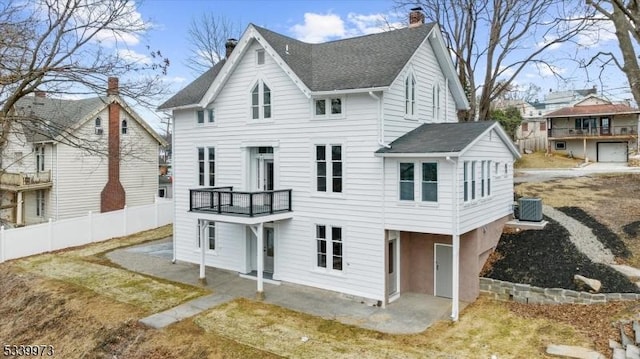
<point x="211" y="115"/>
<point x="329" y="168"/>
<point x="200" y="114"/>
<point x="40" y="203"/>
<point x="260" y="101"/>
<point x="98" y="126"/>
<point x="406" y="181"/>
<point x="329" y="247"/>
<point x="436" y="102"/>
<point x="123" y="127"/>
<point x="410" y="95"/>
<point x="39" y="158"/>
<point x="209" y="235"/>
<point x="206" y="166"/>
<point x="260" y="57"/>
<point x="328" y="106"/>
<point x="430" y="182"/>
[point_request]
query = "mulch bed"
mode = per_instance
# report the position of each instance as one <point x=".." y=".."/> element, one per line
<point x="547" y="258"/>
<point x="609" y="239"/>
<point x="632" y="229"/>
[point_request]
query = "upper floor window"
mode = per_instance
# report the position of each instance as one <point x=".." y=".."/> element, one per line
<point x="329" y="168"/>
<point x="211" y="118"/>
<point x="328" y="106"/>
<point x="260" y="57"/>
<point x="200" y="114"/>
<point x="260" y="101"/>
<point x="406" y="181"/>
<point x="430" y="182"/>
<point x="410" y="95"/>
<point x="466" y="181"/>
<point x="40" y="203"/>
<point x="39" y="158"/>
<point x="473" y="180"/>
<point x="123" y="127"/>
<point x="483" y="178"/>
<point x="98" y="126"/>
<point x="436" y="101"/>
<point x="206" y="166"/>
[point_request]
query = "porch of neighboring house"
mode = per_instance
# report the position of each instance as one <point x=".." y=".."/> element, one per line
<point x="255" y="210"/>
<point x="24" y="197"/>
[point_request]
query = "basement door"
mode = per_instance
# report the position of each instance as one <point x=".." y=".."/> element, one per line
<point x="268" y="249"/>
<point x="443" y="267"/>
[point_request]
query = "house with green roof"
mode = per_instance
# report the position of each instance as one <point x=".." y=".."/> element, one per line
<point x="340" y="166"/>
<point x="65" y="158"/>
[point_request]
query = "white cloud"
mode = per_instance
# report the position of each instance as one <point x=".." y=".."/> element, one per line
<point x="548" y="40"/>
<point x="602" y="32"/>
<point x="548" y="70"/>
<point x="319" y="28"/>
<point x="371" y="23"/>
<point x="132" y="56"/>
<point x="506" y="72"/>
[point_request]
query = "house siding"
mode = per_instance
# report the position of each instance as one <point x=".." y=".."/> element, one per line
<point x="293" y="131"/>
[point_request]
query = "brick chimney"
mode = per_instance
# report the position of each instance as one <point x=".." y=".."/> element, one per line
<point x="416" y="17"/>
<point x="113" y="195"/>
<point x="41" y="94"/>
<point x="229" y="46"/>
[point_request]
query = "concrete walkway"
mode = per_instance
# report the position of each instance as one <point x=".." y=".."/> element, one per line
<point x="412" y="313"/>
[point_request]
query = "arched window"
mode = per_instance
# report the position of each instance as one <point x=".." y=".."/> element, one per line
<point x="410" y="95"/>
<point x="98" y="122"/>
<point x="124" y="127"/>
<point x="260" y="101"/>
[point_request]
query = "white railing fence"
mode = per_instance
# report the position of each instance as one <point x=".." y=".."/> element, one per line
<point x="94" y="227"/>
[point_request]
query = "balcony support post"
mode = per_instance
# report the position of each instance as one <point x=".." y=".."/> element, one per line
<point x="201" y="228"/>
<point x="271" y="202"/>
<point x="19" y="203"/>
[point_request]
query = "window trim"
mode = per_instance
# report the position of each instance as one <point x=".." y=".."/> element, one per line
<point x="329" y="164"/>
<point x="260" y="52"/>
<point x="124" y="126"/>
<point x="413" y="181"/>
<point x="329" y="254"/>
<point x="328" y="108"/>
<point x="204" y="162"/>
<point x="410" y="96"/>
<point x="422" y="181"/>
<point x="261" y="105"/>
<point x="418" y="177"/>
<point x="211" y="116"/>
<point x="200" y="117"/>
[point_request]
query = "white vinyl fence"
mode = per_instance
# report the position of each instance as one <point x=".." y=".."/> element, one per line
<point x="94" y="227"/>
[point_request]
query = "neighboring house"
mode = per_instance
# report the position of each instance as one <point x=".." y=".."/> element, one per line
<point x="165" y="189"/>
<point x="76" y="156"/>
<point x="594" y="129"/>
<point x="532" y="132"/>
<point x="339" y="166"/>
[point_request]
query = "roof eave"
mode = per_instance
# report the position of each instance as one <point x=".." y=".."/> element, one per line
<point x="347" y="91"/>
<point x="594" y="114"/>
<point x="441" y="52"/>
<point x="417" y="154"/>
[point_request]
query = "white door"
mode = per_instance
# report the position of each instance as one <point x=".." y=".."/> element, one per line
<point x="443" y="270"/>
<point x="612" y="151"/>
<point x="392" y="270"/>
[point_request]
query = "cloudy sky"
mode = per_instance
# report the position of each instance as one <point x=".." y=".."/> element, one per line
<point x="324" y="20"/>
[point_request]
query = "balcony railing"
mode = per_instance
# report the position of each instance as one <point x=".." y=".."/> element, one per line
<point x="24" y="178"/>
<point x="629" y="130"/>
<point x="224" y="200"/>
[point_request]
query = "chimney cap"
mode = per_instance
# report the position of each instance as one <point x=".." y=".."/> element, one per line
<point x="417" y="8"/>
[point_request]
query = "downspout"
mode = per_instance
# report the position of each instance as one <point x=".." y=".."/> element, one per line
<point x="380" y="120"/>
<point x="455" y="229"/>
<point x="173" y="184"/>
<point x="54" y="149"/>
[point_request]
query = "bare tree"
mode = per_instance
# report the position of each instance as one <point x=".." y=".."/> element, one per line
<point x="495" y="40"/>
<point x="70" y="47"/>
<point x="207" y="36"/>
<point x="626" y="20"/>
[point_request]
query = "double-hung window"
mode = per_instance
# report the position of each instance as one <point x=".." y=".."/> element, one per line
<point x="329" y="247"/>
<point x="209" y="234"/>
<point x="488" y="178"/>
<point x="410" y="95"/>
<point x="473" y="180"/>
<point x="40" y="203"/>
<point x="211" y="115"/>
<point x="328" y="107"/>
<point x="206" y="166"/>
<point x="329" y="168"/>
<point x="260" y="101"/>
<point x="436" y="102"/>
<point x="483" y="178"/>
<point x="200" y="116"/>
<point x="466" y="181"/>
<point x="430" y="182"/>
<point x="406" y="181"/>
<point x="39" y="158"/>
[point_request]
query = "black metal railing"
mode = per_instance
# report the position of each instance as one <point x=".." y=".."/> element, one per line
<point x="629" y="130"/>
<point x="224" y="200"/>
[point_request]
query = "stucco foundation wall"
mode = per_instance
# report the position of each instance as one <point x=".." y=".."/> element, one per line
<point x="417" y="258"/>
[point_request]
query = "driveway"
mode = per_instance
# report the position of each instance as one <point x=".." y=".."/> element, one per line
<point x="542" y="175"/>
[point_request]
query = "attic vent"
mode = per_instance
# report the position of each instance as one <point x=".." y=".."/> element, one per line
<point x="530" y="209"/>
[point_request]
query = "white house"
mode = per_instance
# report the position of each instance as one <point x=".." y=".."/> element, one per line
<point x="339" y="166"/>
<point x="70" y="157"/>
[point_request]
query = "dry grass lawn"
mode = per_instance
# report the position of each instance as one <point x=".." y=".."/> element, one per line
<point x="541" y="160"/>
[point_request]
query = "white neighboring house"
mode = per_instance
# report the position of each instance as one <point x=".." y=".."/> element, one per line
<point x="339" y="166"/>
<point x="76" y="156"/>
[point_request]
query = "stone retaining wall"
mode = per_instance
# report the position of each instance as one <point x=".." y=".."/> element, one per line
<point x="524" y="293"/>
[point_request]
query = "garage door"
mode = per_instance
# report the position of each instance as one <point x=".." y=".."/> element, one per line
<point x="612" y="152"/>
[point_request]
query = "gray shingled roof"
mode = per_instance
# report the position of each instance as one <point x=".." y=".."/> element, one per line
<point x="194" y="91"/>
<point x="48" y="118"/>
<point x="438" y="138"/>
<point x="360" y="62"/>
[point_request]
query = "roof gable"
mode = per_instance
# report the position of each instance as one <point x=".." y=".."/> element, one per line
<point x="364" y="62"/>
<point x="444" y="139"/>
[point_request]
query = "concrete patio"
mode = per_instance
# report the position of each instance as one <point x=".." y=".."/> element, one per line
<point x="411" y="313"/>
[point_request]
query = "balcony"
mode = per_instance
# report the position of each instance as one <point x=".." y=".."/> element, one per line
<point x="626" y="131"/>
<point x="226" y="201"/>
<point x="25" y="181"/>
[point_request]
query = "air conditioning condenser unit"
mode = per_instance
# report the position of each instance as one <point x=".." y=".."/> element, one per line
<point x="530" y="209"/>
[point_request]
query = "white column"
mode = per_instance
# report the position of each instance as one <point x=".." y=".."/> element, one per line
<point x="19" y="209"/>
<point x="201" y="227"/>
<point x="260" y="249"/>
<point x="455" y="305"/>
<point x="584" y="149"/>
